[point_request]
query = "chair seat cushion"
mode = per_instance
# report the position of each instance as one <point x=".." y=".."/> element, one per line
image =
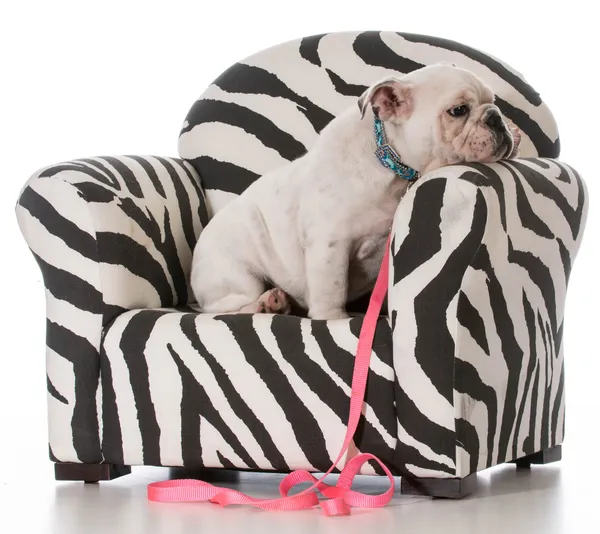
<point x="180" y="388"/>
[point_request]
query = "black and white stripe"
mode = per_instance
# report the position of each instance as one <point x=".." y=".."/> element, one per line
<point x="467" y="371"/>
<point x="481" y="260"/>
<point x="269" y="108"/>
<point x="252" y="392"/>
<point x="109" y="234"/>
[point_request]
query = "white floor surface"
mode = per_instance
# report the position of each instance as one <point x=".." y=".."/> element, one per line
<point x="551" y="499"/>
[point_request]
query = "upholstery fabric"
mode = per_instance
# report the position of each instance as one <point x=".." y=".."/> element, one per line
<point x="245" y="391"/>
<point x="466" y="374"/>
<point x="481" y="260"/>
<point x="109" y="234"/>
<point x="467" y="367"/>
<point x="269" y="108"/>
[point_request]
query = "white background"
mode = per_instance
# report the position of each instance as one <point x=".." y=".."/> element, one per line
<point x="81" y="78"/>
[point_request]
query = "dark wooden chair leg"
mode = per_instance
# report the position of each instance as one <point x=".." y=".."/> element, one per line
<point x="447" y="488"/>
<point x="547" y="456"/>
<point x="89" y="472"/>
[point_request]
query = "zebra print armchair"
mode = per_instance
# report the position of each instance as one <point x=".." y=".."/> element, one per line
<point x="467" y="367"/>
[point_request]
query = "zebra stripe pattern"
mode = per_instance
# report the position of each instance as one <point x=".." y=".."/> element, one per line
<point x="109" y="234"/>
<point x="467" y="369"/>
<point x="481" y="260"/>
<point x="240" y="391"/>
<point x="269" y="108"/>
<point x="466" y="374"/>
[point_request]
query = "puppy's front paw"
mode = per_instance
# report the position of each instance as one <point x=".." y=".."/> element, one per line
<point x="274" y="301"/>
<point x="328" y="315"/>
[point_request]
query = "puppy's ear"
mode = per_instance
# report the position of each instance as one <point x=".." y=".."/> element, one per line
<point x="390" y="98"/>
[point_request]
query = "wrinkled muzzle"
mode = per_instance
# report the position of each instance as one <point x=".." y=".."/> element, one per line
<point x="492" y="137"/>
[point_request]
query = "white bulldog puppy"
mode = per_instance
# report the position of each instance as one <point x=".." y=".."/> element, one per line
<point x="314" y="231"/>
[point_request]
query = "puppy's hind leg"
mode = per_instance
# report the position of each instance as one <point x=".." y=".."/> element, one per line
<point x="234" y="289"/>
<point x="274" y="300"/>
<point x="226" y="290"/>
<point x="245" y="301"/>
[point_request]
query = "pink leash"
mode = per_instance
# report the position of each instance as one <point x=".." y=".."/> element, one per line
<point x="340" y="497"/>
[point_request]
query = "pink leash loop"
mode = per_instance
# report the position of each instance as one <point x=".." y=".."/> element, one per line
<point x="340" y="497"/>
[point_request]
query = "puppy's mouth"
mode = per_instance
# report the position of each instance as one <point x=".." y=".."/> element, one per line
<point x="505" y="148"/>
<point x="506" y="145"/>
<point x="513" y="133"/>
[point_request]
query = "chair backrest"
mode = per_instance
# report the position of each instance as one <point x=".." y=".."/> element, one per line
<point x="269" y="108"/>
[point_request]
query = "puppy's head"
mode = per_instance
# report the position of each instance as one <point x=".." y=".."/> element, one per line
<point x="439" y="115"/>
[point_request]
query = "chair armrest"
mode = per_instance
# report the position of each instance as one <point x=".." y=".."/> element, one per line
<point x="109" y="234"/>
<point x="115" y="232"/>
<point x="480" y="260"/>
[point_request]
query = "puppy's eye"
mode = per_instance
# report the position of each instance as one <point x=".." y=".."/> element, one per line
<point x="459" y="111"/>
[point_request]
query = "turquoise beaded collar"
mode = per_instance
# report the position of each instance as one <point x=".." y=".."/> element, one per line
<point x="389" y="157"/>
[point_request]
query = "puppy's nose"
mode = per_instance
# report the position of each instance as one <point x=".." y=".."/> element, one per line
<point x="494" y="120"/>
